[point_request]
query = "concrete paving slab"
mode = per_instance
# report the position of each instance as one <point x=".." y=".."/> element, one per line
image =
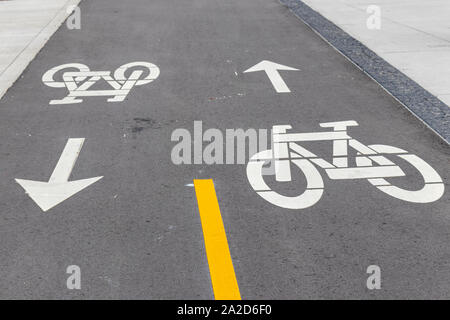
<point x="418" y="30"/>
<point x="25" y="27"/>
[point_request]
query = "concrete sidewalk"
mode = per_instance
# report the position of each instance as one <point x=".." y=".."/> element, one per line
<point x="414" y="36"/>
<point x="25" y="27"/>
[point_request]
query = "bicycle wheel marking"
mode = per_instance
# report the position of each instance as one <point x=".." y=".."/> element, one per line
<point x="221" y="269"/>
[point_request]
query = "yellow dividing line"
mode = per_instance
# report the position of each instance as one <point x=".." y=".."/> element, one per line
<point x="220" y="265"/>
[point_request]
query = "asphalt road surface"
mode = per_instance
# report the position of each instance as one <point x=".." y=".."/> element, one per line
<point x="137" y="233"/>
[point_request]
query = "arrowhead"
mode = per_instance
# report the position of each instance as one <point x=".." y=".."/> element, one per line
<point x="47" y="195"/>
<point x="268" y="65"/>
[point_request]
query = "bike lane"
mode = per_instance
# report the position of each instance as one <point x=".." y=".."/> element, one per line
<point x="136" y="233"/>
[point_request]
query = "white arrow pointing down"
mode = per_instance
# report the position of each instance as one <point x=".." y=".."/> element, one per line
<point x="271" y="69"/>
<point x="58" y="188"/>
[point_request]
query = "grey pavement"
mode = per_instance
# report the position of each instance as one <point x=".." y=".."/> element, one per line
<point x="136" y="233"/>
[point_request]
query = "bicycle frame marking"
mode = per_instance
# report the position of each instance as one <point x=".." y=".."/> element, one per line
<point x="79" y="82"/>
<point x="339" y="169"/>
<point x="287" y="151"/>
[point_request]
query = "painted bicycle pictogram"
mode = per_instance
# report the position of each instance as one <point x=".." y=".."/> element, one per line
<point x="371" y="161"/>
<point x="79" y="82"/>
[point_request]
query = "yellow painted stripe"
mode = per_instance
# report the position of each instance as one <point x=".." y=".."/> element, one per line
<point x="221" y="268"/>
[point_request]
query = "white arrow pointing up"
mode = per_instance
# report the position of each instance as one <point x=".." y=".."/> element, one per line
<point x="271" y="69"/>
<point x="58" y="188"/>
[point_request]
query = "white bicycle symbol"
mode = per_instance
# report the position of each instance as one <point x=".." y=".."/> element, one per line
<point x="285" y="151"/>
<point x="78" y="82"/>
